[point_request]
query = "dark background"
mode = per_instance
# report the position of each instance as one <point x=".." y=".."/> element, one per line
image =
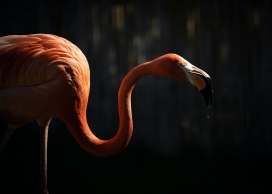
<point x="179" y="145"/>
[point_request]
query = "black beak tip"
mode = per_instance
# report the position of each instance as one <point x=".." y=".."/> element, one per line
<point x="207" y="91"/>
<point x="207" y="94"/>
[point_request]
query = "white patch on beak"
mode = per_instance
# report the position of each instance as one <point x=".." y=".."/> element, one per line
<point x="186" y="67"/>
<point x="191" y="73"/>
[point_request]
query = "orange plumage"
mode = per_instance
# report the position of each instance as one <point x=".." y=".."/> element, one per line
<point x="37" y="68"/>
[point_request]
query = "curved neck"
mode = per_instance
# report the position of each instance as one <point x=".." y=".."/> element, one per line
<point x="77" y="122"/>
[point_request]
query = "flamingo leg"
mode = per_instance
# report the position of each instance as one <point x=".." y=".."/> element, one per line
<point x="5" y="139"/>
<point x="43" y="159"/>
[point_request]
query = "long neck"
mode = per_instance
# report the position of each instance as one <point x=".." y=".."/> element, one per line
<point x="77" y="123"/>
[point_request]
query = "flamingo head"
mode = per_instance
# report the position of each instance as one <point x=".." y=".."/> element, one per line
<point x="198" y="78"/>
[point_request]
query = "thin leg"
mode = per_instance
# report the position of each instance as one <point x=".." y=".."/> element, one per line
<point x="5" y="139"/>
<point x="43" y="159"/>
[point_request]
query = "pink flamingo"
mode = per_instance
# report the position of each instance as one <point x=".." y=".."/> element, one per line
<point x="45" y="76"/>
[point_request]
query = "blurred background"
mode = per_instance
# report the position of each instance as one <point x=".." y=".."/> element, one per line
<point x="179" y="145"/>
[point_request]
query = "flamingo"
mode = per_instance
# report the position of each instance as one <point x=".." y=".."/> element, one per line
<point x="44" y="76"/>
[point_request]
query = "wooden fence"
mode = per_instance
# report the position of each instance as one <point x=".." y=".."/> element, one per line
<point x="230" y="40"/>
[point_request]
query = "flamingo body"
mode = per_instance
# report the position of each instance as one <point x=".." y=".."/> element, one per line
<point x="42" y="69"/>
